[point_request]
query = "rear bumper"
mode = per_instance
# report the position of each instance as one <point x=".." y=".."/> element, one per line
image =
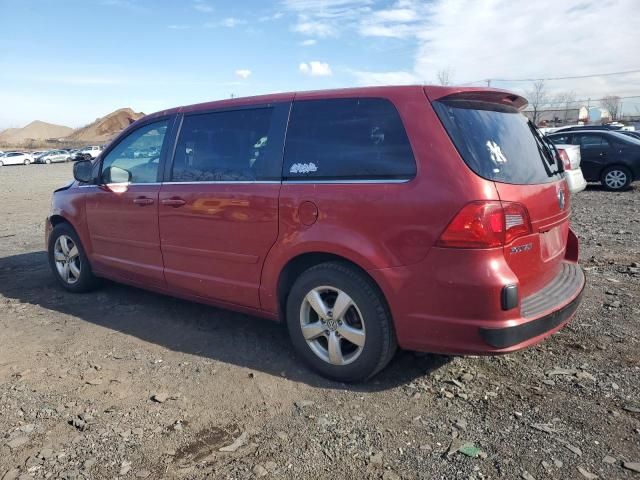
<point x="575" y="180"/>
<point x="450" y="307"/>
<point x="520" y="334"/>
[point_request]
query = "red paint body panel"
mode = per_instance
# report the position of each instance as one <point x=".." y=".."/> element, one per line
<point x="124" y="235"/>
<point x="214" y="246"/>
<point x="228" y="244"/>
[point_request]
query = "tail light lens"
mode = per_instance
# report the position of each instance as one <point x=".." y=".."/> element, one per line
<point x="486" y="224"/>
<point x="566" y="163"/>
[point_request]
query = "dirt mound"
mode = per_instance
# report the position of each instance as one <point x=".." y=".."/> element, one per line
<point x="107" y="127"/>
<point x="36" y="131"/>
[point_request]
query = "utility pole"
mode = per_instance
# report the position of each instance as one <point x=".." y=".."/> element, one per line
<point x="488" y="82"/>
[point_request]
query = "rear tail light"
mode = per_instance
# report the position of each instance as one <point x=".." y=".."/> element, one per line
<point x="486" y="224"/>
<point x="566" y="163"/>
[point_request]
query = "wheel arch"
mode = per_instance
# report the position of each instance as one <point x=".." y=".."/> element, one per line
<point x="57" y="219"/>
<point x="298" y="264"/>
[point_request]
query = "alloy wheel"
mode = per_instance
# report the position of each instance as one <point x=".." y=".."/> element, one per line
<point x="67" y="258"/>
<point x="332" y="325"/>
<point x="615" y="179"/>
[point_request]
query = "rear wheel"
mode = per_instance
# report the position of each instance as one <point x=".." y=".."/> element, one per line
<point x="616" y="178"/>
<point x="27" y="161"/>
<point x="339" y="322"/>
<point x="68" y="260"/>
<point x="1" y="163"/>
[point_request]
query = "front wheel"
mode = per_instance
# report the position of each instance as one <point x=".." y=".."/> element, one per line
<point x="68" y="260"/>
<point x="47" y="161"/>
<point x="27" y="161"/>
<point x="616" y="178"/>
<point x="339" y="322"/>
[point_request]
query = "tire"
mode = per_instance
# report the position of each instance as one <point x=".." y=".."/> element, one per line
<point x="616" y="178"/>
<point x="79" y="278"/>
<point x="27" y="161"/>
<point x="47" y="161"/>
<point x="1" y="164"/>
<point x="366" y="320"/>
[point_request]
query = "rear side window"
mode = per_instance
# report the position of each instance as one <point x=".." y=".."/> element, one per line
<point x="228" y="146"/>
<point x="561" y="139"/>
<point x="592" y="141"/>
<point x="497" y="142"/>
<point x="347" y="139"/>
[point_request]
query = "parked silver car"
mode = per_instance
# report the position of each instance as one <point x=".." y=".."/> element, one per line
<point x="53" y="156"/>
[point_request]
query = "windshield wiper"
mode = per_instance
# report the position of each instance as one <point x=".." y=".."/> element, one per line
<point x="548" y="158"/>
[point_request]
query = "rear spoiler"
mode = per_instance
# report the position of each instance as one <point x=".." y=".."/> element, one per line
<point x="492" y="95"/>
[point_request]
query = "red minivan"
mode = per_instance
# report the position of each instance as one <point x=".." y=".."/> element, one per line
<point x="429" y="218"/>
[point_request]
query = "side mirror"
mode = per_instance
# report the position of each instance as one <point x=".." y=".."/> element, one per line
<point x="83" y="171"/>
<point x="116" y="175"/>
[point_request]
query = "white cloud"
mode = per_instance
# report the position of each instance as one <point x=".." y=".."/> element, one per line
<point x="385" y="78"/>
<point x="498" y="39"/>
<point x="231" y="22"/>
<point x="202" y="6"/>
<point x="314" y="28"/>
<point x="308" y="42"/>
<point x="325" y="18"/>
<point x="315" y="69"/>
<point x="269" y="18"/>
<point x="179" y="27"/>
<point x="243" y="73"/>
<point x="506" y="39"/>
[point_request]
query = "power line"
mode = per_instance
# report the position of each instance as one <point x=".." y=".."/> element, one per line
<point x="568" y="77"/>
<point x="584" y="100"/>
<point x="572" y="77"/>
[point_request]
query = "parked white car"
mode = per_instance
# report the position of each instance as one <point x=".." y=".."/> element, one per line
<point x="93" y="150"/>
<point x="16" y="158"/>
<point x="570" y="155"/>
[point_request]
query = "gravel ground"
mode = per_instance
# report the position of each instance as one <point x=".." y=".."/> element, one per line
<point x="122" y="383"/>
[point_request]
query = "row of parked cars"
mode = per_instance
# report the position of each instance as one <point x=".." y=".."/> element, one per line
<point x="601" y="153"/>
<point x="49" y="156"/>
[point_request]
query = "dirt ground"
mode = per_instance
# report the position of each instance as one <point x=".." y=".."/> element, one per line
<point x="122" y="383"/>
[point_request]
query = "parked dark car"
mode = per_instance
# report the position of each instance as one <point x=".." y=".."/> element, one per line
<point x="632" y="134"/>
<point x="577" y="128"/>
<point x="609" y="157"/>
<point x="429" y="218"/>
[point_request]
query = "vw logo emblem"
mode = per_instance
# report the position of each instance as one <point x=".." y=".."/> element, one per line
<point x="561" y="198"/>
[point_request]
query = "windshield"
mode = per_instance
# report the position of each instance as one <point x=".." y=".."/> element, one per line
<point x="498" y="142"/>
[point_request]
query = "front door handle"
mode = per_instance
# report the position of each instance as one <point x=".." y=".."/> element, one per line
<point x="173" y="202"/>
<point x="142" y="201"/>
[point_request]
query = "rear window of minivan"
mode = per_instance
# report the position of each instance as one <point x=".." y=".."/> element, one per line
<point x="497" y="142"/>
<point x="346" y="139"/>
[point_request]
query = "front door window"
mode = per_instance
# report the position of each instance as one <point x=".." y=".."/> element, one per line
<point x="136" y="158"/>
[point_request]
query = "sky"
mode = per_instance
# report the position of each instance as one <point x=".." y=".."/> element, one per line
<point x="71" y="61"/>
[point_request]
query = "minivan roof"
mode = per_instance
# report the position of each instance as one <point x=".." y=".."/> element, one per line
<point x="433" y="92"/>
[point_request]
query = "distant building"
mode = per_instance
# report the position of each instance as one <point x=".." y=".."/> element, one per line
<point x="569" y="116"/>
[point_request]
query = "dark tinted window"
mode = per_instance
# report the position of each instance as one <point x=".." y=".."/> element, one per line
<point x="591" y="141"/>
<point x="347" y="139"/>
<point x="498" y="143"/>
<point x="561" y="139"/>
<point x="228" y="146"/>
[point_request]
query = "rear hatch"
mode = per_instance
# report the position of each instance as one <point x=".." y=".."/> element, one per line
<point x="498" y="143"/>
